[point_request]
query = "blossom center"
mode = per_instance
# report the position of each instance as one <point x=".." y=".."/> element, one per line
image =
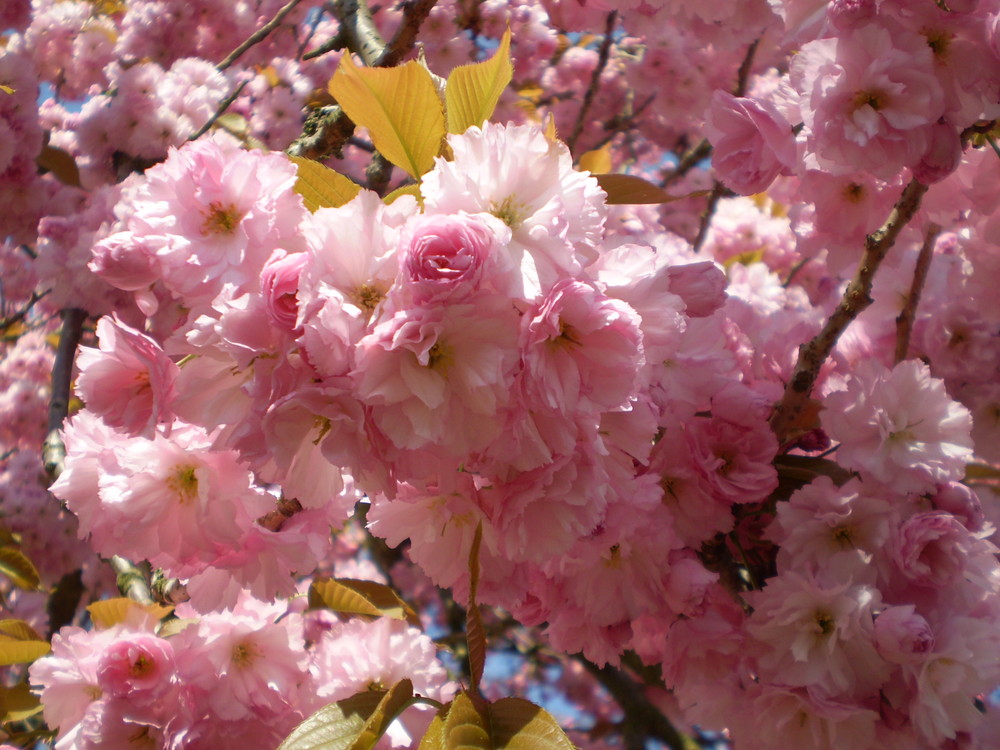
<point x="509" y="211"/>
<point x="185" y="483"/>
<point x="220" y="218"/>
<point x="367" y="297"/>
<point x="440" y="357"/>
<point x="874" y="99"/>
<point x="244" y="654"/>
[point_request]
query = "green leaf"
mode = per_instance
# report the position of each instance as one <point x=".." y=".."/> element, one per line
<point x="59" y="163"/>
<point x="475" y="633"/>
<point x="110" y="612"/>
<point x="521" y="725"/>
<point x="981" y="471"/>
<point x="6" y="89"/>
<point x="336" y="726"/>
<point x="19" y="569"/>
<point x="465" y="726"/>
<point x="399" y="106"/>
<point x="391" y="706"/>
<point x="806" y="468"/>
<point x="413" y="190"/>
<point x="627" y="188"/>
<point x="322" y="187"/>
<point x="473" y="90"/>
<point x="19" y="703"/>
<point x="433" y="738"/>
<point x="355" y="597"/>
<point x="19" y="643"/>
<point x="597" y="161"/>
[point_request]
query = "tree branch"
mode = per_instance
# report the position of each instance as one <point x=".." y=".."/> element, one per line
<point x="131" y="580"/>
<point x="642" y="719"/>
<point x="220" y="110"/>
<point x="259" y="35"/>
<point x="595" y="79"/>
<point x="814" y="353"/>
<point x="359" y="30"/>
<point x="904" y="321"/>
<point x="414" y="14"/>
<point x="53" y="450"/>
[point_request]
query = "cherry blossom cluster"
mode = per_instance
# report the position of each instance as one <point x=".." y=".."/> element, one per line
<point x="246" y="676"/>
<point x="593" y="390"/>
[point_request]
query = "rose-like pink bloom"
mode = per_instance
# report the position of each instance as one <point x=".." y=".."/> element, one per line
<point x="868" y="98"/>
<point x="449" y="257"/>
<point x="934" y="549"/>
<point x="279" y="283"/>
<point x="139" y="668"/>
<point x="126" y="261"/>
<point x="247" y="662"/>
<point x="902" y="636"/>
<point x="815" y="635"/>
<point x="440" y="375"/>
<point x="582" y="351"/>
<point x="752" y="142"/>
<point x="826" y="528"/>
<point x="129" y="380"/>
<point x="356" y="654"/>
<point x="900" y="426"/>
<point x="555" y="213"/>
<point x="943" y="154"/>
<point x="702" y="286"/>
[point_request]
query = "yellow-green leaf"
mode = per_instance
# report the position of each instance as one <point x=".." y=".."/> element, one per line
<point x="981" y="471"/>
<point x="391" y="705"/>
<point x="19" y="703"/>
<point x="413" y="190"/>
<point x="322" y="187"/>
<point x="110" y="612"/>
<point x="59" y="163"/>
<point x="19" y="643"/>
<point x="465" y="727"/>
<point x="627" y="188"/>
<point x="518" y="724"/>
<point x="399" y="106"/>
<point x="433" y="738"/>
<point x="473" y="90"/>
<point x="475" y="633"/>
<point x="6" y="89"/>
<point x="18" y="568"/>
<point x="336" y="726"/>
<point x="175" y="626"/>
<point x="356" y="597"/>
<point x="597" y="161"/>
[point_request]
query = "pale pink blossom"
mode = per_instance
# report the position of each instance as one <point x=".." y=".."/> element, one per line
<point x="129" y="381"/>
<point x="752" y="142"/>
<point x="902" y="636"/>
<point x="900" y="426"/>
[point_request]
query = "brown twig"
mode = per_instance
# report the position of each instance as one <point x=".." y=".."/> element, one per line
<point x="642" y="719"/>
<point x="259" y="35"/>
<point x="743" y="74"/>
<point x="718" y="191"/>
<point x="904" y="321"/>
<point x="53" y="451"/>
<point x="379" y="173"/>
<point x="814" y="353"/>
<point x="690" y="159"/>
<point x="21" y="314"/>
<point x="414" y="14"/>
<point x="220" y="110"/>
<point x="595" y="79"/>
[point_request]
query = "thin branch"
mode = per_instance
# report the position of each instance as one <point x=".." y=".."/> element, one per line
<point x="718" y="191"/>
<point x="687" y="162"/>
<point x="743" y="74"/>
<point x="595" y="79"/>
<point x="642" y="720"/>
<point x="21" y="314"/>
<point x="53" y="451"/>
<point x="414" y="14"/>
<point x="259" y="35"/>
<point x="904" y="321"/>
<point x="220" y="110"/>
<point x="814" y="353"/>
<point x="317" y="18"/>
<point x="338" y="41"/>
<point x="131" y="580"/>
